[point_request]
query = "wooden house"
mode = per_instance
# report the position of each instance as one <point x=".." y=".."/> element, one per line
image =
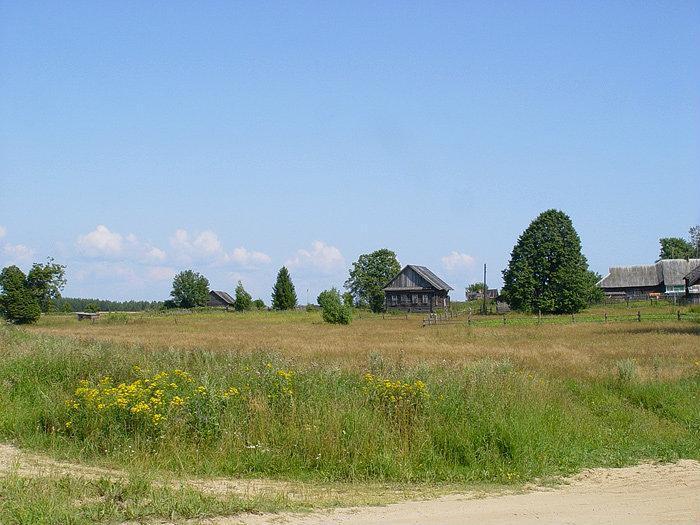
<point x="692" y="285"/>
<point x="220" y="299"/>
<point x="416" y="289"/>
<point x="664" y="277"/>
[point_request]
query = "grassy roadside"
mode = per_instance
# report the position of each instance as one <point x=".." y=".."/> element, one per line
<point x="487" y="421"/>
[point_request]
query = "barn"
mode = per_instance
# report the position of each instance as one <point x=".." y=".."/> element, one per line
<point x="664" y="277"/>
<point x="220" y="299"/>
<point x="416" y="289"/>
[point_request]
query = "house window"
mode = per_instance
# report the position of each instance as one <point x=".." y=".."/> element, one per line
<point x="404" y="298"/>
<point x="393" y="299"/>
<point x="414" y="298"/>
<point x="425" y="298"/>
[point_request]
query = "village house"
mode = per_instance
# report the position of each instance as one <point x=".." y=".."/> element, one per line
<point x="220" y="299"/>
<point x="416" y="289"/>
<point x="692" y="285"/>
<point x="666" y="277"/>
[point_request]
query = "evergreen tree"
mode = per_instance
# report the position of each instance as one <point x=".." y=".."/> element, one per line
<point x="369" y="274"/>
<point x="243" y="300"/>
<point x="283" y="295"/>
<point x="547" y="271"/>
<point x="190" y="289"/>
<point x="17" y="302"/>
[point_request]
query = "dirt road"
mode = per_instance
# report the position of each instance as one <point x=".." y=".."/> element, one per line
<point x="645" y="494"/>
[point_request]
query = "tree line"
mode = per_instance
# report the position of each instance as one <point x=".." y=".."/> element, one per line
<point x="547" y="272"/>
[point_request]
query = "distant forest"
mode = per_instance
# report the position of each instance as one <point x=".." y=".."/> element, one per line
<point x="75" y="304"/>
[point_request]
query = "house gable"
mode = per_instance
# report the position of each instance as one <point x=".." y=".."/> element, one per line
<point x="409" y="279"/>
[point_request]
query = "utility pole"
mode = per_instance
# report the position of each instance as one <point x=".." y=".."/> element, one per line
<point x="483" y="307"/>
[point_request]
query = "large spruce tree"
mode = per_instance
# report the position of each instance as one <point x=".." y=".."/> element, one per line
<point x="284" y="297"/>
<point x="547" y="271"/>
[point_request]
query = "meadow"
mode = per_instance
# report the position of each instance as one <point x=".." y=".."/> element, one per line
<point x="286" y="396"/>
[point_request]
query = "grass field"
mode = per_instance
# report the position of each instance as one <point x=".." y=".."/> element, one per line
<point x="285" y="396"/>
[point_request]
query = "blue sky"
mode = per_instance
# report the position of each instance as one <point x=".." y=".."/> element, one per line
<point x="141" y="138"/>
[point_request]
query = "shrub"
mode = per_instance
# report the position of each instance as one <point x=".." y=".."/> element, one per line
<point x="334" y="311"/>
<point x="626" y="370"/>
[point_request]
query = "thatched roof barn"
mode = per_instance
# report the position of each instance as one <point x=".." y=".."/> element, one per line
<point x="666" y="276"/>
<point x="220" y="299"/>
<point x="693" y="278"/>
<point x="416" y="289"/>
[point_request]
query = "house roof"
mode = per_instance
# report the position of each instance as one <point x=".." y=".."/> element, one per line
<point x="223" y="296"/>
<point x="429" y="276"/>
<point x="693" y="277"/>
<point x="432" y="279"/>
<point x="668" y="272"/>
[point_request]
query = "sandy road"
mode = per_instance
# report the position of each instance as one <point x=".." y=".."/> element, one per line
<point x="641" y="495"/>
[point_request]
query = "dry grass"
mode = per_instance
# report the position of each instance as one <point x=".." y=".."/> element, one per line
<point x="663" y="350"/>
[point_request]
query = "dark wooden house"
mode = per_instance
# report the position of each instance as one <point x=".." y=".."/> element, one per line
<point x="664" y="277"/>
<point x="220" y="299"/>
<point x="416" y="289"/>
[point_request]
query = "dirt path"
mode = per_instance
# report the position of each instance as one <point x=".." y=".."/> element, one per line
<point x="645" y="494"/>
<point x="640" y="495"/>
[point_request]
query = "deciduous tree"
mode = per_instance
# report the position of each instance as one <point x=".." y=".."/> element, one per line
<point x="547" y="271"/>
<point x="369" y="274"/>
<point x="17" y="302"/>
<point x="243" y="300"/>
<point x="676" y="248"/>
<point x="190" y="289"/>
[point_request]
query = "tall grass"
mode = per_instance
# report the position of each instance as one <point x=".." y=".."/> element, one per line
<point x="484" y="420"/>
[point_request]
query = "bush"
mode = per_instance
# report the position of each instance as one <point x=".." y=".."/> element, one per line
<point x="334" y="311"/>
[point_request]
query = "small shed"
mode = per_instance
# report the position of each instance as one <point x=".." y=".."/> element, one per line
<point x="416" y="289"/>
<point x="92" y="316"/>
<point x="219" y="299"/>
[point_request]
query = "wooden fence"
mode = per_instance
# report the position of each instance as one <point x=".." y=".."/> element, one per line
<point x="469" y="319"/>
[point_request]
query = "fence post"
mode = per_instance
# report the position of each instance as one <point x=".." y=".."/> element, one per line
<point x="573" y="320"/>
<point x="539" y="316"/>
<point x="679" y="315"/>
<point x="504" y="320"/>
<point x="639" y="316"/>
<point x="606" y="317"/>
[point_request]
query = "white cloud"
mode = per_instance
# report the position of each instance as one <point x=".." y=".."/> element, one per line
<point x="155" y="254"/>
<point x="323" y="257"/>
<point x="161" y="273"/>
<point x="206" y="246"/>
<point x="208" y="243"/>
<point x="457" y="261"/>
<point x="101" y="241"/>
<point x="248" y="258"/>
<point x="3" y="231"/>
<point x="17" y="252"/>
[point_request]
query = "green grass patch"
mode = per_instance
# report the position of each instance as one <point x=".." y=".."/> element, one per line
<point x="486" y="421"/>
